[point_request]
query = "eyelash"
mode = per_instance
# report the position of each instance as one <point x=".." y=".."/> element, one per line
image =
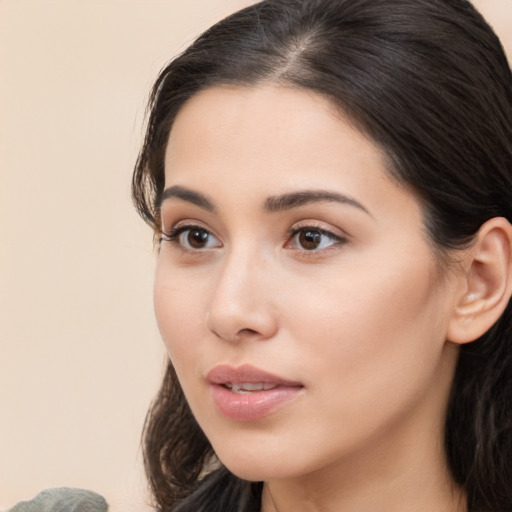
<point x="174" y="234"/>
<point x="336" y="239"/>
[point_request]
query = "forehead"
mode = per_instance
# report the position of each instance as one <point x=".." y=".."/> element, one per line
<point x="271" y="127"/>
<point x="270" y="140"/>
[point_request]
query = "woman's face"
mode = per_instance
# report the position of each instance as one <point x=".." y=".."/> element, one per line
<point x="295" y="291"/>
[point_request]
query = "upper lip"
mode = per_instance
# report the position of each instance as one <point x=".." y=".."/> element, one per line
<point x="225" y="374"/>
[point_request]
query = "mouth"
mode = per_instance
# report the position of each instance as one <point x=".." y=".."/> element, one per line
<point x="247" y="377"/>
<point x="248" y="387"/>
<point x="247" y="393"/>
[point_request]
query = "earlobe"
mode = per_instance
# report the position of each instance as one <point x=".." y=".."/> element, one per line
<point x="487" y="282"/>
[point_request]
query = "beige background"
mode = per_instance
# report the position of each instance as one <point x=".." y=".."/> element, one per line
<point x="80" y="355"/>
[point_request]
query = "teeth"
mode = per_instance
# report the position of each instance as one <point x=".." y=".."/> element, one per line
<point x="247" y="387"/>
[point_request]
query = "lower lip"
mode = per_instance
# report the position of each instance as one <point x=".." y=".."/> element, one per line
<point x="253" y="405"/>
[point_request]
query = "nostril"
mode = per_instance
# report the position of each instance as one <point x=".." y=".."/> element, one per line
<point x="246" y="332"/>
<point x="235" y="321"/>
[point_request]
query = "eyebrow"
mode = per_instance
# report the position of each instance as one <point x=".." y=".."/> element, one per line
<point x="186" y="195"/>
<point x="272" y="204"/>
<point x="304" y="197"/>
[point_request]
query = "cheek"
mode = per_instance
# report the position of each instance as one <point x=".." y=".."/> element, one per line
<point x="368" y="331"/>
<point x="178" y="310"/>
<point x="180" y="318"/>
<point x="369" y="353"/>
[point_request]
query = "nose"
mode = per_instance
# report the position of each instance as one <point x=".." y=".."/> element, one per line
<point x="242" y="305"/>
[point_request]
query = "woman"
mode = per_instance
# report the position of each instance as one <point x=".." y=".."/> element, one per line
<point x="331" y="186"/>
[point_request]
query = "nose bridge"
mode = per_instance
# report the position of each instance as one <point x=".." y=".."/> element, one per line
<point x="240" y="304"/>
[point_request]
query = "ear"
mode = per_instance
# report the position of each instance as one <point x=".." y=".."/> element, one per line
<point x="487" y="282"/>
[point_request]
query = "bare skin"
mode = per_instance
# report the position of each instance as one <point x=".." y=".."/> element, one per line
<point x="339" y="293"/>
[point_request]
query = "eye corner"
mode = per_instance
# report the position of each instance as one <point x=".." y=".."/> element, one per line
<point x="191" y="238"/>
<point x="314" y="239"/>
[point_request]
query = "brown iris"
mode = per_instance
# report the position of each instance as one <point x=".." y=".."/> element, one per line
<point x="197" y="238"/>
<point x="309" y="239"/>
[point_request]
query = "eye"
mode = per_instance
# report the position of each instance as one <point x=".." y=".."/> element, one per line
<point x="309" y="239"/>
<point x="192" y="238"/>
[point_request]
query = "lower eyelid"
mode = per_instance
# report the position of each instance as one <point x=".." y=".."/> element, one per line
<point x="175" y="231"/>
<point x="175" y="234"/>
<point x="334" y="243"/>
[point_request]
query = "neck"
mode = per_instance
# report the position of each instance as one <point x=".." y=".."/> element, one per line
<point x="422" y="485"/>
<point x="403" y="494"/>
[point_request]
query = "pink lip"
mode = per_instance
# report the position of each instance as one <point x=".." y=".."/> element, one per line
<point x="253" y="405"/>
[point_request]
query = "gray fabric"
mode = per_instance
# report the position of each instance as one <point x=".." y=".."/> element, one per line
<point x="63" y="499"/>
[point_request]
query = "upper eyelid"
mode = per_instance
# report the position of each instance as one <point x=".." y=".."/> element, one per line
<point x="325" y="228"/>
<point x="173" y="237"/>
<point x="327" y="233"/>
<point x="320" y="226"/>
<point x="185" y="223"/>
<point x="177" y="230"/>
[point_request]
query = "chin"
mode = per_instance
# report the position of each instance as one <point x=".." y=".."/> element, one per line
<point x="256" y="463"/>
<point x="246" y="463"/>
<point x="256" y="472"/>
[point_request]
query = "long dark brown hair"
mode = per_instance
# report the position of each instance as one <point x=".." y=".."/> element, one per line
<point x="427" y="81"/>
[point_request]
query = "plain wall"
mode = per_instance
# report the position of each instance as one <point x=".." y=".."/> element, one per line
<point x="80" y="353"/>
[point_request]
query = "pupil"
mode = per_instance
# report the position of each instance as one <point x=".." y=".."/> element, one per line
<point x="310" y="239"/>
<point x="197" y="238"/>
